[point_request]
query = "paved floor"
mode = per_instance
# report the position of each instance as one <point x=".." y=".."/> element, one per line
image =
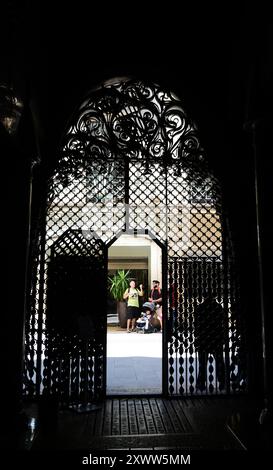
<point x="138" y="423"/>
<point x="134" y="363"/>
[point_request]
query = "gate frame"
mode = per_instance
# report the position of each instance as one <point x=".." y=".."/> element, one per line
<point x="164" y="268"/>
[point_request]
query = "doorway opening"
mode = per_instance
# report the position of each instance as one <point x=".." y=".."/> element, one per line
<point x="131" y="164"/>
<point x="134" y="361"/>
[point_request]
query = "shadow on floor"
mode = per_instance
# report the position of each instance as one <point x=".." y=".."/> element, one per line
<point x="149" y="423"/>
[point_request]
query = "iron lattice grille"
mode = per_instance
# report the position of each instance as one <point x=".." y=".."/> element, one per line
<point x="189" y="280"/>
<point x="55" y="363"/>
<point x="132" y="160"/>
<point x="187" y="213"/>
<point x="74" y="349"/>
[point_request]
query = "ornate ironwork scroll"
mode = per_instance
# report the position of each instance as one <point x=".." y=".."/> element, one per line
<point x="131" y="160"/>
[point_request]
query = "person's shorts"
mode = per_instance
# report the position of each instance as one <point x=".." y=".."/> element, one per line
<point x="159" y="312"/>
<point x="132" y="312"/>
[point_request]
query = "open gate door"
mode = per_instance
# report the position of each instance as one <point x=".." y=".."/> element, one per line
<point x="76" y="319"/>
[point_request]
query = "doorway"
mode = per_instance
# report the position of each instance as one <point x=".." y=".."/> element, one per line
<point x="131" y="164"/>
<point x="134" y="361"/>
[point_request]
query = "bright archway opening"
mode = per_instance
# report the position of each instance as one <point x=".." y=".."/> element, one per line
<point x="134" y="335"/>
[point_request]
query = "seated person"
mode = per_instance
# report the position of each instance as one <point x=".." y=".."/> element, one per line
<point x="147" y="322"/>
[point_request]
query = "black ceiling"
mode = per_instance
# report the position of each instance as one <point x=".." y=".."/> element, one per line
<point x="209" y="56"/>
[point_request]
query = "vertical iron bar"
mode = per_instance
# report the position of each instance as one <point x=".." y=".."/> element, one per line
<point x="104" y="320"/>
<point x="165" y="322"/>
<point x="28" y="274"/>
<point x="41" y="302"/>
<point x="127" y="192"/>
<point x="166" y="304"/>
<point x="260" y="269"/>
<point x="226" y="280"/>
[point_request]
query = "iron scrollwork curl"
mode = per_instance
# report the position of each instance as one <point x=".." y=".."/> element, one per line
<point x="135" y="120"/>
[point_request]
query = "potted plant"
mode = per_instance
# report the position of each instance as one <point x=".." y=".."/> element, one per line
<point x="117" y="286"/>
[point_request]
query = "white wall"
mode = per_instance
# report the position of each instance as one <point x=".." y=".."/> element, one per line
<point x="140" y="246"/>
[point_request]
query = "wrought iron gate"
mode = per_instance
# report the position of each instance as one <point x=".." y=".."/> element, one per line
<point x="66" y="347"/>
<point x="132" y="161"/>
<point x="76" y="294"/>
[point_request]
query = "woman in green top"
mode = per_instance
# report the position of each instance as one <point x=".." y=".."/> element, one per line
<point x="132" y="294"/>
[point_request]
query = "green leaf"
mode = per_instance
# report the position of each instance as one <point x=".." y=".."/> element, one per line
<point x="118" y="284"/>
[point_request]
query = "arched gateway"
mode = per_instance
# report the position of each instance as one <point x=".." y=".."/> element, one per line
<point x="131" y="162"/>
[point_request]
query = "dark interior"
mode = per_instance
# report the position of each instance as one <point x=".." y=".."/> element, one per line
<point x="218" y="59"/>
